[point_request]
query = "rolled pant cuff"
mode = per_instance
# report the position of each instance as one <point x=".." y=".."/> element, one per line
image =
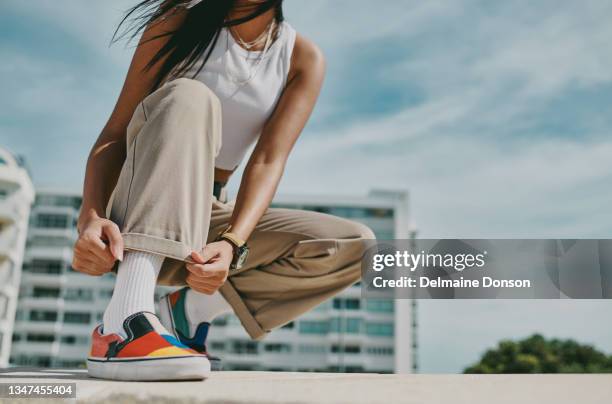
<point x="156" y="245"/>
<point x="252" y="327"/>
<point x="181" y="252"/>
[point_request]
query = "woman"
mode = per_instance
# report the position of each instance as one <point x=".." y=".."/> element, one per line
<point x="208" y="79"/>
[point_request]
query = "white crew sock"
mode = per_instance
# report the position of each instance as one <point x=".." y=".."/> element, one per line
<point x="134" y="289"/>
<point x="201" y="307"/>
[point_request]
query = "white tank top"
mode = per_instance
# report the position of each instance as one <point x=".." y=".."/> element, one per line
<point x="246" y="107"/>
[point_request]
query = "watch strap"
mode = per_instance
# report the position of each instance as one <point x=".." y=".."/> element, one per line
<point x="232" y="238"/>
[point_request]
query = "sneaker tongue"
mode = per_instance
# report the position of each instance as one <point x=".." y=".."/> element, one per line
<point x="156" y="324"/>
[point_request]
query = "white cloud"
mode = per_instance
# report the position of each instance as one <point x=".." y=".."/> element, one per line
<point x="462" y="187"/>
<point x="469" y="152"/>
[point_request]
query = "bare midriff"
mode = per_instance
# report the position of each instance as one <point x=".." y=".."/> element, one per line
<point x="222" y="175"/>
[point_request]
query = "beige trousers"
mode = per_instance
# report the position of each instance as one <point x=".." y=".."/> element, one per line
<point x="164" y="204"/>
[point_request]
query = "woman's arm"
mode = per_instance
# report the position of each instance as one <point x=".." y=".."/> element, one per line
<point x="266" y="165"/>
<point x="92" y="254"/>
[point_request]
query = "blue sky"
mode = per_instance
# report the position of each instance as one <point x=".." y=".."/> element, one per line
<point x="496" y="116"/>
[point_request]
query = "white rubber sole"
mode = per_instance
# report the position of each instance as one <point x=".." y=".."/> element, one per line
<point x="150" y="369"/>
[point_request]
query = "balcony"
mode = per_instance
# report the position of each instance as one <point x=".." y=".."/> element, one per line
<point x="28" y="348"/>
<point x="42" y="327"/>
<point x="48" y="303"/>
<point x="29" y="278"/>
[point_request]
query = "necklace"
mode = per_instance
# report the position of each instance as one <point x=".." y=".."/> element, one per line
<point x="255" y="68"/>
<point x="255" y="42"/>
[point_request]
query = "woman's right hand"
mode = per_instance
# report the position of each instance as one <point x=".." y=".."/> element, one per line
<point x="98" y="247"/>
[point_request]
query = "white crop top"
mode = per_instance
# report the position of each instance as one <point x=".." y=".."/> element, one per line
<point x="246" y="107"/>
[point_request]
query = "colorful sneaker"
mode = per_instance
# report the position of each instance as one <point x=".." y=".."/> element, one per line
<point x="173" y="316"/>
<point x="147" y="354"/>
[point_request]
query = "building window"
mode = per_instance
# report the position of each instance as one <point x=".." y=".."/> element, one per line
<point x="380" y="306"/>
<point x="380" y="350"/>
<point x="72" y="364"/>
<point x="289" y="326"/>
<point x="348" y="304"/>
<point x="217" y="346"/>
<point x="106" y="293"/>
<point x="38" y="266"/>
<point x="77" y="318"/>
<point x="345" y="369"/>
<point x="353" y="325"/>
<point x="59" y="200"/>
<point x="53" y="221"/>
<point x="349" y="325"/>
<point x="40" y="338"/>
<point x="380" y="213"/>
<point x="312" y="348"/>
<point x="350" y="349"/>
<point x="35" y="361"/>
<point x="82" y="295"/>
<point x="244" y="347"/>
<point x="74" y="340"/>
<point x="42" y="315"/>
<point x="42" y="292"/>
<point x="379" y="329"/>
<point x="277" y="347"/>
<point x="385" y="235"/>
<point x="314" y="327"/>
<point x="220" y="321"/>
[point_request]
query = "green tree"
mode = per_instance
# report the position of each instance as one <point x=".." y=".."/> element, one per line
<point x="537" y="354"/>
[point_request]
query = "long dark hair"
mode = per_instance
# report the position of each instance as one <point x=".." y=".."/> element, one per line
<point x="188" y="43"/>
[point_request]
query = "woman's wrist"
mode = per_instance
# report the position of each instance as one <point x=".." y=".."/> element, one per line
<point x="86" y="216"/>
<point x="239" y="231"/>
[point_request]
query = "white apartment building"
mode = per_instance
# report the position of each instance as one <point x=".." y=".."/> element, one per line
<point x="58" y="308"/>
<point x="16" y="196"/>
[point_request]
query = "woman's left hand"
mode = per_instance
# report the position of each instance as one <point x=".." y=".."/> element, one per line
<point x="211" y="267"/>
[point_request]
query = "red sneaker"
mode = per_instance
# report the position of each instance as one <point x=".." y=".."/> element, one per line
<point x="148" y="353"/>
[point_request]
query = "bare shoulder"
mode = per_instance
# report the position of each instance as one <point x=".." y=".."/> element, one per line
<point x="307" y="58"/>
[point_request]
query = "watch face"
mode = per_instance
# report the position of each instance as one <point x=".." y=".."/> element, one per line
<point x="241" y="256"/>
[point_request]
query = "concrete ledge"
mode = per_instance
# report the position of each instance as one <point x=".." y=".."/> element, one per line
<point x="269" y="387"/>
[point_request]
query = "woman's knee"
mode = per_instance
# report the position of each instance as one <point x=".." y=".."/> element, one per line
<point x="352" y="241"/>
<point x="192" y="96"/>
<point x="184" y="110"/>
<point x="362" y="231"/>
<point x="353" y="248"/>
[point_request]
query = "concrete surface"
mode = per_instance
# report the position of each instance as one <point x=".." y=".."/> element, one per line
<point x="267" y="387"/>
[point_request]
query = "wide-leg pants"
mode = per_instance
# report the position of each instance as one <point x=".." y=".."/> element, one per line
<point x="164" y="204"/>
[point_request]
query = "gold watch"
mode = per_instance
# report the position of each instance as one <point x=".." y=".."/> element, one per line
<point x="241" y="250"/>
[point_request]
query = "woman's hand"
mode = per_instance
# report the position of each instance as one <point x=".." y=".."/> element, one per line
<point x="98" y="247"/>
<point x="211" y="267"/>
